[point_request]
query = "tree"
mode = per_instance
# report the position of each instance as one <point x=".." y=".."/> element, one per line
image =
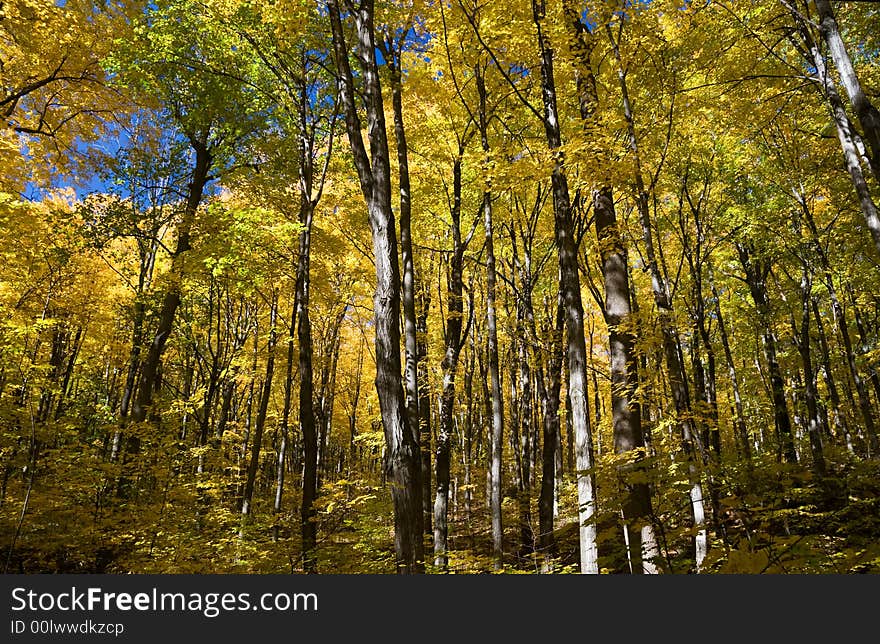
<point x="402" y="456"/>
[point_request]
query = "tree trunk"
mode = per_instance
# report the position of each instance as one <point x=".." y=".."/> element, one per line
<point x="548" y="393"/>
<point x="867" y="115"/>
<point x="574" y="311"/>
<point x="739" y="422"/>
<point x="406" y="251"/>
<point x="423" y="303"/>
<point x="839" y="421"/>
<point x="262" y="408"/>
<point x="845" y="134"/>
<point x="811" y="396"/>
<point x="756" y="273"/>
<point x="873" y="442"/>
<point x="454" y="318"/>
<point x="837" y="311"/>
<point x="172" y="296"/>
<point x="497" y="441"/>
<point x="403" y="463"/>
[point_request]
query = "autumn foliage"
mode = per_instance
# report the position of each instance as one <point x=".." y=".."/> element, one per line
<point x="212" y="212"/>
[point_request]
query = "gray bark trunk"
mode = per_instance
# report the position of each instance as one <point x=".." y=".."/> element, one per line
<point x="846" y="136"/>
<point x="403" y="463"/>
<point x="867" y="115"/>
<point x="574" y="312"/>
<point x="497" y="440"/>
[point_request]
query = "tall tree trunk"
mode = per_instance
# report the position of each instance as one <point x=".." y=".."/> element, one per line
<point x="811" y="396"/>
<point x="409" y="278"/>
<point x="867" y="115"/>
<point x="256" y="440"/>
<point x="845" y="132"/>
<point x="454" y="342"/>
<point x="574" y="310"/>
<point x="524" y="385"/>
<point x="281" y="458"/>
<point x="423" y="303"/>
<point x="671" y="339"/>
<point x="626" y="413"/>
<point x="403" y="462"/>
<point x="172" y="296"/>
<point x="756" y="273"/>
<point x="739" y="422"/>
<point x="308" y="425"/>
<point x="497" y="440"/>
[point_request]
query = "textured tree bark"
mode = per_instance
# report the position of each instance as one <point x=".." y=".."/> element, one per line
<point x="625" y="410"/>
<point x="548" y="393"/>
<point x="845" y="135"/>
<point x="403" y="463"/>
<point x="867" y="115"/>
<point x="423" y="304"/>
<point x="574" y="311"/>
<point x="472" y="446"/>
<point x="626" y="413"/>
<point x="307" y="421"/>
<point x="406" y="251"/>
<point x="523" y="383"/>
<point x="671" y="341"/>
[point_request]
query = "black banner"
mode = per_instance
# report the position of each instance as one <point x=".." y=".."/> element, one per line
<point x="515" y="608"/>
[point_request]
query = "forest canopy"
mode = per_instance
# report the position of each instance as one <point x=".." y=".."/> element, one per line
<point x="539" y="286"/>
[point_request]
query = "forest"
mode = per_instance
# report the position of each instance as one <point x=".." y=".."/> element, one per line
<point x="440" y="286"/>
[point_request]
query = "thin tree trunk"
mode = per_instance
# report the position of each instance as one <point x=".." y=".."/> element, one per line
<point x="497" y="440"/>
<point x="811" y="396"/>
<point x="256" y="440"/>
<point x="873" y="441"/>
<point x="454" y="319"/>
<point x="756" y="274"/>
<point x="574" y="311"/>
<point x="423" y="302"/>
<point x="837" y="311"/>
<point x="171" y="299"/>
<point x="739" y="422"/>
<point x="839" y="421"/>
<point x="550" y="403"/>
